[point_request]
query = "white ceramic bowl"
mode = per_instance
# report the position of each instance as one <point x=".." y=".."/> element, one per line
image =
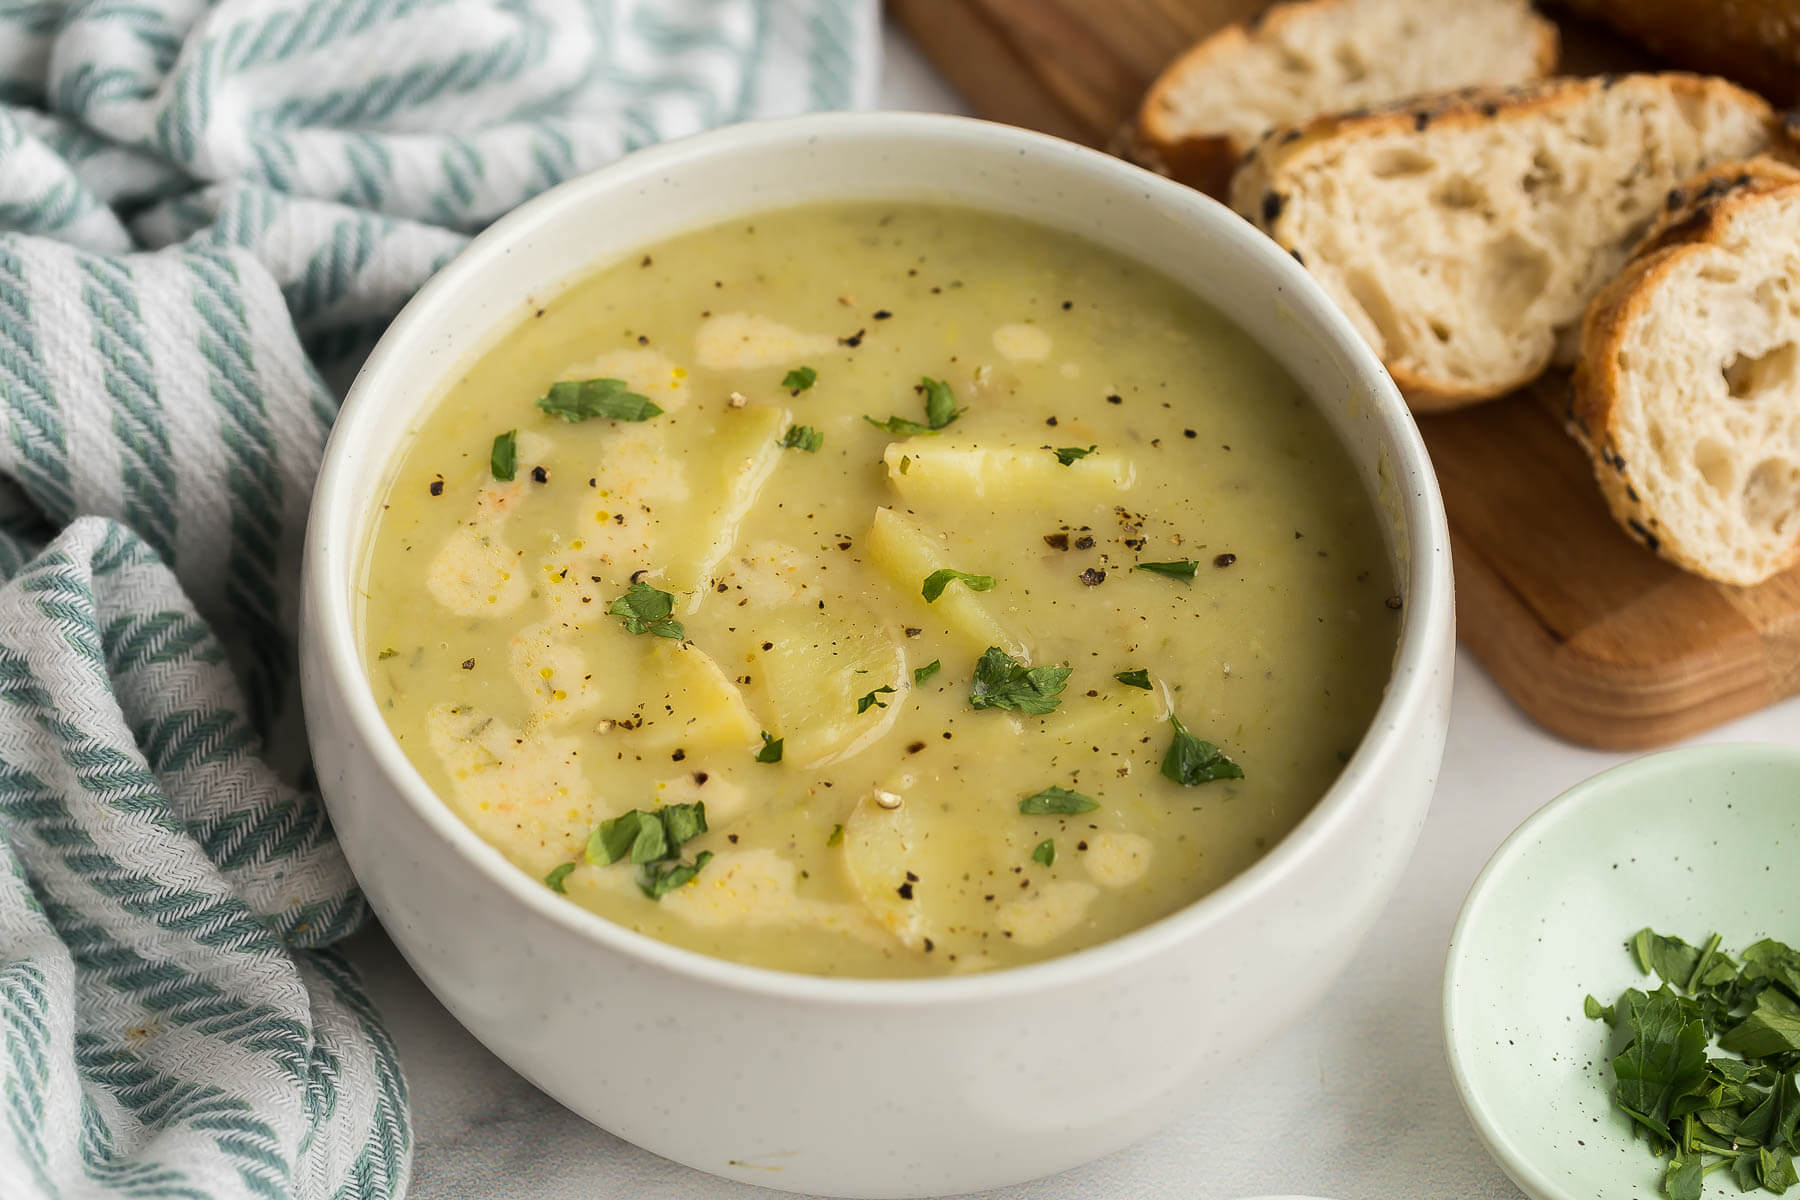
<point x="864" y="1087"/>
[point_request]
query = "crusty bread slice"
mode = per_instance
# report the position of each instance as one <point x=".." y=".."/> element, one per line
<point x="1464" y="236"/>
<point x="1687" y="393"/>
<point x="1314" y="56"/>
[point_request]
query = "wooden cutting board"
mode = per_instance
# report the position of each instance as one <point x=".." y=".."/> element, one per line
<point x="1591" y="634"/>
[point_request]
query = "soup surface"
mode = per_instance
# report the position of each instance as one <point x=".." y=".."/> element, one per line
<point x="701" y="572"/>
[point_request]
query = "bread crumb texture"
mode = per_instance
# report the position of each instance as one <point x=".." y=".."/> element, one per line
<point x="1466" y="236"/>
<point x="1688" y="393"/>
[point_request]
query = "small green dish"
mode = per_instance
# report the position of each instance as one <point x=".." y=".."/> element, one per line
<point x="1690" y="842"/>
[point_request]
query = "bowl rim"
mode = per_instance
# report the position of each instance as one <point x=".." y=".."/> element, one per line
<point x="1602" y="785"/>
<point x="1426" y="624"/>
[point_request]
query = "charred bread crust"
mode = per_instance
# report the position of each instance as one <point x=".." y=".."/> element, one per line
<point x="1702" y="207"/>
<point x="1692" y="211"/>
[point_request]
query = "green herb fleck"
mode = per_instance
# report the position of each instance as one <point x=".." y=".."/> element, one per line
<point x="1175" y="570"/>
<point x="390" y="652"/>
<point x="940" y="402"/>
<point x="1191" y="760"/>
<point x="1138" y="678"/>
<point x="646" y="610"/>
<point x="1044" y="852"/>
<point x="771" y="750"/>
<point x="940" y="410"/>
<point x="1055" y="799"/>
<point x="503" y="459"/>
<point x="557" y="874"/>
<point x="1001" y="682"/>
<point x="659" y="879"/>
<point x="799" y="379"/>
<point x="863" y="704"/>
<point x="589" y="398"/>
<point x="921" y="674"/>
<point x="837" y="836"/>
<point x="802" y="437"/>
<point x="937" y="581"/>
<point x="900" y="425"/>
<point x="1069" y="454"/>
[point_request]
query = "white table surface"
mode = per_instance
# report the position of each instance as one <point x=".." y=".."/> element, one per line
<point x="1356" y="1103"/>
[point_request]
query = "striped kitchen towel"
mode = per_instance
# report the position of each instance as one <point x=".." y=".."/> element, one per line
<point x="208" y="210"/>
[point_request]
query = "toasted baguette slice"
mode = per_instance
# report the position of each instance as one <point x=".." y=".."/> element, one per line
<point x="1211" y="105"/>
<point x="1464" y="236"/>
<point x="1687" y="393"/>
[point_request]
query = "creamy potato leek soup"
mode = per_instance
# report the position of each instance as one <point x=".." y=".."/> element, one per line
<point x="878" y="590"/>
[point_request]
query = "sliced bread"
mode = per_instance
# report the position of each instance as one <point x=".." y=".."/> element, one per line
<point x="1464" y="236"/>
<point x="1300" y="59"/>
<point x="1687" y="393"/>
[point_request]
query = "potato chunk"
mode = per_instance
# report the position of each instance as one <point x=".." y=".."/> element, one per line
<point x="746" y="451"/>
<point x="906" y="554"/>
<point x="882" y="858"/>
<point x="814" y="676"/>
<point x="475" y="573"/>
<point x="734" y="341"/>
<point x="689" y="703"/>
<point x="758" y="889"/>
<point x="1050" y="912"/>
<point x="925" y="468"/>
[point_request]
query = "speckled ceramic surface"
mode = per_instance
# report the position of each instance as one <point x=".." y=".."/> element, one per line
<point x="1689" y="842"/>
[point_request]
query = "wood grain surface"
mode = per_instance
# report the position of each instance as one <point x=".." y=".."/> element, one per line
<point x="1591" y="634"/>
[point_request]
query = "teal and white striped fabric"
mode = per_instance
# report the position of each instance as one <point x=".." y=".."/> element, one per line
<point x="208" y="209"/>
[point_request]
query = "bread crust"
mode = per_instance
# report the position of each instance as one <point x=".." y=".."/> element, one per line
<point x="1206" y="161"/>
<point x="1256" y="187"/>
<point x="1754" y="41"/>
<point x="1704" y="207"/>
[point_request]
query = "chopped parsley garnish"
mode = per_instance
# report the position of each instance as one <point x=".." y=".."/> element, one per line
<point x="900" y="425"/>
<point x="1001" y="682"/>
<point x="1741" y="1113"/>
<point x="653" y="841"/>
<point x="1191" y="760"/>
<point x="799" y="379"/>
<point x="1069" y="454"/>
<point x="1044" y="852"/>
<point x="557" y="874"/>
<point x="940" y="402"/>
<point x="1175" y="570"/>
<point x="771" y="750"/>
<point x="390" y="652"/>
<point x="589" y="398"/>
<point x="940" y="410"/>
<point x="937" y="581"/>
<point x="863" y="704"/>
<point x="659" y="879"/>
<point x="802" y="437"/>
<point x="1060" y="800"/>
<point x="921" y="674"/>
<point x="1139" y="678"/>
<point x="646" y="610"/>
<point x="503" y="459"/>
<point x="837" y="836"/>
